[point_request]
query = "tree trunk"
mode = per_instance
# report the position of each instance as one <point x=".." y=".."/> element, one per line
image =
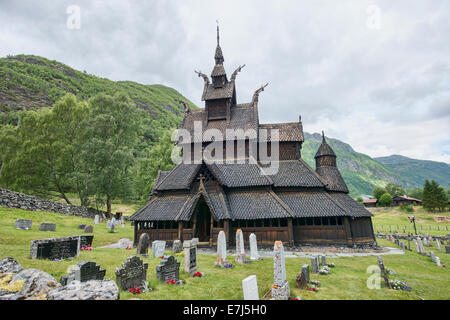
<point x="108" y="205"/>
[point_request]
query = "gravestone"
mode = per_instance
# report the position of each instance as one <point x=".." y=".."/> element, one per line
<point x="323" y="260"/>
<point x="158" y="247"/>
<point x="300" y="281"/>
<point x="250" y="288"/>
<point x="432" y="256"/>
<point x="169" y="268"/>
<point x="254" y="255"/>
<point x="221" y="250"/>
<point x="84" y="271"/>
<point x="194" y="241"/>
<point x="438" y="261"/>
<point x="177" y="246"/>
<point x="447" y="249"/>
<point x="314" y="264"/>
<point x="190" y="257"/>
<point x="23" y="224"/>
<point x="89" y="229"/>
<point x="425" y="241"/>
<point x="383" y="272"/>
<point x="438" y="245"/>
<point x="240" y="250"/>
<point x="45" y="226"/>
<point x="96" y="219"/>
<point x="133" y="273"/>
<point x="417" y="246"/>
<point x="81" y="226"/>
<point x="55" y="248"/>
<point x="280" y="287"/>
<point x="108" y="224"/>
<point x="305" y="270"/>
<point x="113" y="222"/>
<point x="421" y="247"/>
<point x="85" y="240"/>
<point x="143" y="244"/>
<point x="125" y="243"/>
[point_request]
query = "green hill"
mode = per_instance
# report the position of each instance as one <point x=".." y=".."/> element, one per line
<point x="360" y="172"/>
<point x="418" y="170"/>
<point x="32" y="82"/>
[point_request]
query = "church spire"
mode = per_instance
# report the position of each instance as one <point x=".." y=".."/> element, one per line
<point x="218" y="55"/>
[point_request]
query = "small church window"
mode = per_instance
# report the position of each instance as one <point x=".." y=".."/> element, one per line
<point x="332" y="221"/>
<point x="266" y="222"/>
<point x="339" y="221"/>
<point x="258" y="223"/>
<point x="274" y="222"/>
<point x="283" y="222"/>
<point x="309" y="221"/>
<point x="325" y="221"/>
<point x="317" y="222"/>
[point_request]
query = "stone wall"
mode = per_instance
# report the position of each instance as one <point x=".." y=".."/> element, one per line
<point x="11" y="199"/>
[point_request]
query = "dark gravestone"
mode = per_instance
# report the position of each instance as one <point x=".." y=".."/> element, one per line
<point x="142" y="247"/>
<point x="169" y="268"/>
<point x="383" y="272"/>
<point x="86" y="240"/>
<point x="85" y="271"/>
<point x="54" y="248"/>
<point x="300" y="281"/>
<point x="447" y="249"/>
<point x="44" y="226"/>
<point x="23" y="224"/>
<point x="81" y="226"/>
<point x="133" y="273"/>
<point x="89" y="229"/>
<point x="305" y="270"/>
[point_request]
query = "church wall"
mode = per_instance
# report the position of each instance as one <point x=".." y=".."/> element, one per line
<point x="326" y="161"/>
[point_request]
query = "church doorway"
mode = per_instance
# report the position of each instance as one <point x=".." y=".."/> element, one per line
<point x="203" y="221"/>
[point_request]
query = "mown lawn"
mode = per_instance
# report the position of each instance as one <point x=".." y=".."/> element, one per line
<point x="426" y="222"/>
<point x="346" y="281"/>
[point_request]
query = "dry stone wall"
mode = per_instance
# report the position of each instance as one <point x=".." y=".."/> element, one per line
<point x="11" y="199"/>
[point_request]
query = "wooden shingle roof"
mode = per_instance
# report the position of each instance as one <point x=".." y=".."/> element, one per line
<point x="351" y="206"/>
<point x="333" y="178"/>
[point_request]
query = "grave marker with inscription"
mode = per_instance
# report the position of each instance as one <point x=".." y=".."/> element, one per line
<point x="250" y="288"/>
<point x="240" y="250"/>
<point x="158" y="247"/>
<point x="254" y="255"/>
<point x="133" y="273"/>
<point x="45" y="226"/>
<point x="143" y="244"/>
<point x="280" y="287"/>
<point x="168" y="269"/>
<point x="23" y="224"/>
<point x="190" y="257"/>
<point x="84" y="271"/>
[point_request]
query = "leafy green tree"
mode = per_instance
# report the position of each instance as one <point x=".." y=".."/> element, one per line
<point x="416" y="193"/>
<point x="385" y="200"/>
<point x="360" y="201"/>
<point x="395" y="189"/>
<point x="159" y="158"/>
<point x="110" y="139"/>
<point x="378" y="192"/>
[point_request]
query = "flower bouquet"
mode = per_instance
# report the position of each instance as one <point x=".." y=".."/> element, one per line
<point x="87" y="247"/>
<point x="198" y="274"/>
<point x="399" y="285"/>
<point x="316" y="283"/>
<point x="135" y="290"/>
<point x="324" y="270"/>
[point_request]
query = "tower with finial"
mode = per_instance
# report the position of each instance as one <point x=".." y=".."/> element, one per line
<point x="326" y="167"/>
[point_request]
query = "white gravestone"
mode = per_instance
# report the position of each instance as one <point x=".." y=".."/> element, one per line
<point x="158" y="248"/>
<point x="221" y="250"/>
<point x="96" y="219"/>
<point x="108" y="224"/>
<point x="438" y="244"/>
<point x="432" y="256"/>
<point x="254" y="255"/>
<point x="250" y="288"/>
<point x="240" y="250"/>
<point x="417" y="246"/>
<point x="190" y="257"/>
<point x="280" y="287"/>
<point x="438" y="261"/>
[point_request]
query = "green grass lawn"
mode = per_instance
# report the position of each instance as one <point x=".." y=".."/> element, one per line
<point x="426" y="222"/>
<point x="346" y="281"/>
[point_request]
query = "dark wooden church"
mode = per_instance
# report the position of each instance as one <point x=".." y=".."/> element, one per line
<point x="295" y="205"/>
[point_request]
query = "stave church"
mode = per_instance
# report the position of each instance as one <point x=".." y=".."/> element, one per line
<point x="201" y="196"/>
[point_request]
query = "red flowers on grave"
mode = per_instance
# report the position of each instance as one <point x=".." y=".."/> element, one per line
<point x="171" y="281"/>
<point x="135" y="290"/>
<point x="312" y="289"/>
<point x="198" y="274"/>
<point x="162" y="257"/>
<point x="129" y="248"/>
<point x="87" y="247"/>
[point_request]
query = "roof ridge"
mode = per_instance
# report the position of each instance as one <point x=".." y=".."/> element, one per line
<point x="314" y="172"/>
<point x="282" y="203"/>
<point x="338" y="204"/>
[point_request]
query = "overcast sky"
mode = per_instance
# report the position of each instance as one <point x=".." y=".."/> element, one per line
<point x="375" y="74"/>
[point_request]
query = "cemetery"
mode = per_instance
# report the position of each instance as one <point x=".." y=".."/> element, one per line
<point x="158" y="270"/>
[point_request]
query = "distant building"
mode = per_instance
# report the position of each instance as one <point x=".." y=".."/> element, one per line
<point x="405" y="200"/>
<point x="368" y="203"/>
